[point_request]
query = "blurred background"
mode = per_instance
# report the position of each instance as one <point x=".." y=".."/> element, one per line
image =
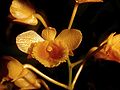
<point x="95" y="20"/>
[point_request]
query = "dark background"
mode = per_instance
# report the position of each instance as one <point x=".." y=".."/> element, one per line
<point x="95" y="20"/>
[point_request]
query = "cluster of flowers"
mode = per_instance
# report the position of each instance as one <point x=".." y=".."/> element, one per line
<point x="50" y="50"/>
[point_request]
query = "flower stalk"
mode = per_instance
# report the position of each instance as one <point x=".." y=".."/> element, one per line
<point x="71" y="83"/>
<point x="45" y="76"/>
<point x="76" y="63"/>
<point x="73" y="15"/>
<point x="77" y="74"/>
<point x="70" y="74"/>
<point x="89" y="54"/>
<point x="39" y="17"/>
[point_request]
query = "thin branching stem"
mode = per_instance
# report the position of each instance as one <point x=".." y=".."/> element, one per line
<point x="45" y="76"/>
<point x="38" y="16"/>
<point x="83" y="63"/>
<point x="73" y="15"/>
<point x="77" y="74"/>
<point x="70" y="74"/>
<point x="76" y="63"/>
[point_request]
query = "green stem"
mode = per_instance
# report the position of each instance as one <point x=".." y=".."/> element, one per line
<point x="70" y="74"/>
<point x="76" y="63"/>
<point x="44" y="76"/>
<point x="38" y="16"/>
<point x="77" y="74"/>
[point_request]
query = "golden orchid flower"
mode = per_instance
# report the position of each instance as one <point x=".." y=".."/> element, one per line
<point x="23" y="12"/>
<point x="22" y="77"/>
<point x="85" y="1"/>
<point x="49" y="50"/>
<point x="111" y="49"/>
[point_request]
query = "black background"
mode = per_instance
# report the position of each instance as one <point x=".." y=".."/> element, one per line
<point x="95" y="20"/>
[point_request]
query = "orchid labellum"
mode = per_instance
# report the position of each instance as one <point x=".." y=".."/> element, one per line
<point x="111" y="49"/>
<point x="49" y="50"/>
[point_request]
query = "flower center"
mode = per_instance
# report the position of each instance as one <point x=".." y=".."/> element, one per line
<point x="49" y="48"/>
<point x="55" y="51"/>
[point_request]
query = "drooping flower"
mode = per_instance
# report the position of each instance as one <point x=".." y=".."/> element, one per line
<point x="23" y="12"/>
<point x="22" y="77"/>
<point x="85" y="1"/>
<point x="111" y="49"/>
<point x="49" y="50"/>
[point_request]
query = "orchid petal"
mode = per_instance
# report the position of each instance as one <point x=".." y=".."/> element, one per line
<point x="21" y="9"/>
<point x="72" y="38"/>
<point x="27" y="80"/>
<point x="49" y="33"/>
<point x="25" y="39"/>
<point x="14" y="68"/>
<point x="30" y="20"/>
<point x="22" y="77"/>
<point x="85" y="1"/>
<point x="111" y="50"/>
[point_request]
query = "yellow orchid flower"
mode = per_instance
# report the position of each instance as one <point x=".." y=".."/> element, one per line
<point x="85" y="1"/>
<point x="111" y="49"/>
<point x="49" y="50"/>
<point x="23" y="12"/>
<point x="22" y="77"/>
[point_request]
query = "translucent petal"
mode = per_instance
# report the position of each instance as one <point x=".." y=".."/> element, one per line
<point x="115" y="41"/>
<point x="72" y="38"/>
<point x="109" y="39"/>
<point x="14" y="68"/>
<point x="21" y="9"/>
<point x="31" y="20"/>
<point x="27" y="80"/>
<point x="111" y="49"/>
<point x="49" y="33"/>
<point x="23" y="83"/>
<point x="21" y="77"/>
<point x="84" y="1"/>
<point x="25" y="39"/>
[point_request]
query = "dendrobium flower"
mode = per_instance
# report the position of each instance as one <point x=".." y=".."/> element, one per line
<point x="49" y="50"/>
<point x="85" y="1"/>
<point x="23" y="12"/>
<point x="22" y="77"/>
<point x="111" y="49"/>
